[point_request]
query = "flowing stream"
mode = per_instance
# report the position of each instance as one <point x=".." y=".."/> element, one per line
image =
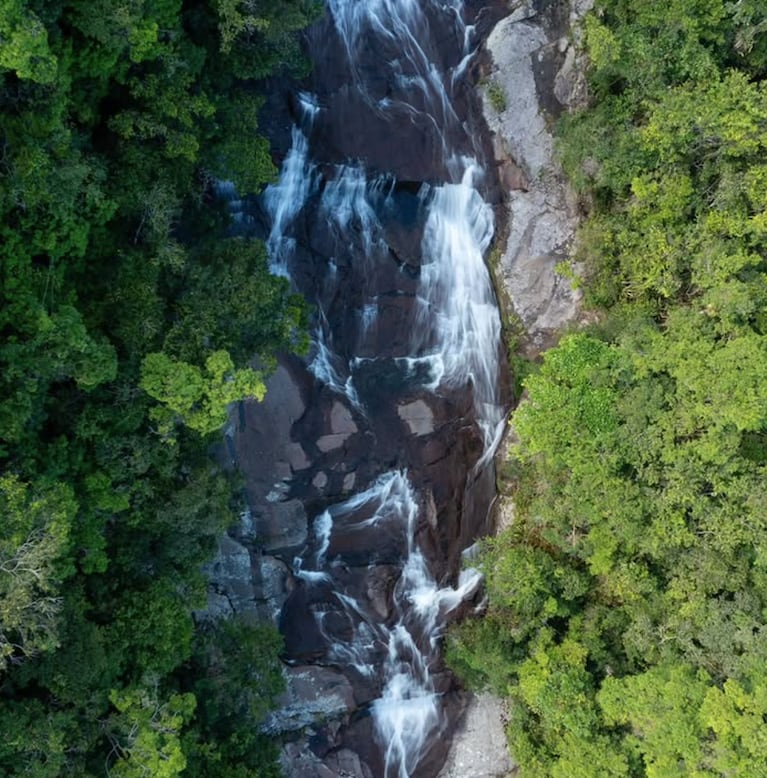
<point x="387" y="241"/>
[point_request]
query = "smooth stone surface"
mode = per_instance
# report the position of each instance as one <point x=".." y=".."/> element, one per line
<point x="273" y="582"/>
<point x="232" y="572"/>
<point x="320" y="480"/>
<point x="347" y="764"/>
<point x="332" y="442"/>
<point x="418" y="417"/>
<point x="283" y="470"/>
<point x="513" y="177"/>
<point x="479" y="747"/>
<point x="298" y="761"/>
<point x="543" y="212"/>
<point x="341" y="421"/>
<point x="379" y="581"/>
<point x="218" y="607"/>
<point x="521" y="124"/>
<point x="296" y="456"/>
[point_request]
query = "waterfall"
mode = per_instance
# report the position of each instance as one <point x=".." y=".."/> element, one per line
<point x="354" y="228"/>
<point x="407" y="712"/>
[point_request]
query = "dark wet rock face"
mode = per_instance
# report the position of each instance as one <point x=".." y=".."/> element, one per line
<point x="371" y="92"/>
<point x="368" y="467"/>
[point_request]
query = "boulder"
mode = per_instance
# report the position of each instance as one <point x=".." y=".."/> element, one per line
<point x="312" y="693"/>
<point x="512" y="176"/>
<point x="273" y="583"/>
<point x="570" y="87"/>
<point x="529" y="52"/>
<point x="347" y="764"/>
<point x="298" y="761"/>
<point x="379" y="582"/>
<point x="296" y="456"/>
<point x="280" y="525"/>
<point x="332" y="442"/>
<point x="231" y="577"/>
<point x="218" y="607"/>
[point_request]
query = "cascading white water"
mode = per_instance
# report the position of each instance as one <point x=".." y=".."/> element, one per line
<point x="284" y="199"/>
<point x="454" y="343"/>
<point x="400" y="22"/>
<point x="458" y="299"/>
<point x="407" y="713"/>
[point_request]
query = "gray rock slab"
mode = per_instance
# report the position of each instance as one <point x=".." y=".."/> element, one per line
<point x="349" y="481"/>
<point x="379" y="582"/>
<point x="418" y="417"/>
<point x="280" y="525"/>
<point x="347" y="764"/>
<point x="291" y="405"/>
<point x="232" y="573"/>
<point x="230" y="577"/>
<point x="298" y="761"/>
<point x="512" y="45"/>
<point x="218" y="607"/>
<point x="479" y="747"/>
<point x="272" y="583"/>
<point x="296" y="456"/>
<point x="313" y="693"/>
<point x="543" y="213"/>
<point x="332" y="442"/>
<point x="341" y="420"/>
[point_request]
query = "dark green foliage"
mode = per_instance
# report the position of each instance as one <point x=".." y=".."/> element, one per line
<point x="128" y="323"/>
<point x="235" y="676"/>
<point x="627" y="604"/>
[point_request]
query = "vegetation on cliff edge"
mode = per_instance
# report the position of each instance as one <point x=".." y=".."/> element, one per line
<point x="128" y="324"/>
<point x="627" y="620"/>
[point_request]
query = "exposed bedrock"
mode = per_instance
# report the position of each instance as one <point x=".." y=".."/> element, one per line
<point x="538" y="69"/>
<point x="359" y="465"/>
<point x="536" y="64"/>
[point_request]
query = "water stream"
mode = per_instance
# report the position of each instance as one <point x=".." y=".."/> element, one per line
<point x="392" y="259"/>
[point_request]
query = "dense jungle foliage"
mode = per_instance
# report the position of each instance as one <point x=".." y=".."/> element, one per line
<point x="128" y="323"/>
<point x="627" y="621"/>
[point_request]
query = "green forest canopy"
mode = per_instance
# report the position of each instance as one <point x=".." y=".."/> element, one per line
<point x="128" y="325"/>
<point x="627" y="621"/>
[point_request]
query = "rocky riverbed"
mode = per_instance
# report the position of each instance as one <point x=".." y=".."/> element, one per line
<point x="333" y="445"/>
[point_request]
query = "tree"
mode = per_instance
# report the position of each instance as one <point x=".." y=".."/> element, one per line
<point x="662" y="707"/>
<point x="736" y="716"/>
<point x="196" y="398"/>
<point x="237" y="677"/>
<point x="145" y="731"/>
<point x="124" y="312"/>
<point x="34" y="545"/>
<point x="24" y="43"/>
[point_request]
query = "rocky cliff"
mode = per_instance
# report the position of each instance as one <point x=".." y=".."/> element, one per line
<point x="535" y="72"/>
